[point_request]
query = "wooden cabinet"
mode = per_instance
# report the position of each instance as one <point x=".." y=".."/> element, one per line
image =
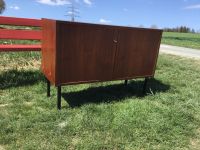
<point x="78" y="53"/>
<point x="75" y="53"/>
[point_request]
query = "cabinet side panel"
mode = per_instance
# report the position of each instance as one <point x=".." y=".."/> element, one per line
<point x="48" y="49"/>
<point x="137" y="53"/>
<point x="85" y="52"/>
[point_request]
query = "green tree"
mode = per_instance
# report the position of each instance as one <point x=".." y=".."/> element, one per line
<point x="2" y="6"/>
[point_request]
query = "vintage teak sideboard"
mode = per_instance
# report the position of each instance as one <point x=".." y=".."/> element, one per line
<point x="74" y="53"/>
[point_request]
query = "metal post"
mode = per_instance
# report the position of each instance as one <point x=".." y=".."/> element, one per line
<point x="126" y="82"/>
<point x="59" y="97"/>
<point x="145" y="85"/>
<point x="48" y="87"/>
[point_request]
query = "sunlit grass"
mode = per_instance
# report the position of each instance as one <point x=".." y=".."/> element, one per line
<point x="189" y="40"/>
<point x="101" y="115"/>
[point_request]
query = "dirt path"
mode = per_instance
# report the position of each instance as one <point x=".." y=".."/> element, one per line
<point x="180" y="51"/>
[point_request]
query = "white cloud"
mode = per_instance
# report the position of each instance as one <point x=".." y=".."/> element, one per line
<point x="54" y="2"/>
<point x="70" y="12"/>
<point x="14" y="7"/>
<point x="62" y="2"/>
<point x="193" y="7"/>
<point x="88" y="2"/>
<point x="104" y="21"/>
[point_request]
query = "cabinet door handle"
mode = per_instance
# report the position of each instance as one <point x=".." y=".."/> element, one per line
<point x="115" y="41"/>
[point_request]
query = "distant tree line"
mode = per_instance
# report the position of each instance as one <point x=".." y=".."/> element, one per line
<point x="181" y="29"/>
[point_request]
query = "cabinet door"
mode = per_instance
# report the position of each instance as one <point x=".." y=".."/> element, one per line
<point x="137" y="52"/>
<point x="85" y="53"/>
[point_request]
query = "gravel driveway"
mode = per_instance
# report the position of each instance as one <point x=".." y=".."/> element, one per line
<point x="180" y="51"/>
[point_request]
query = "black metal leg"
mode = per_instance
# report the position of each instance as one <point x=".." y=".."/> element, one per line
<point x="126" y="82"/>
<point x="48" y="88"/>
<point x="59" y="97"/>
<point x="145" y="85"/>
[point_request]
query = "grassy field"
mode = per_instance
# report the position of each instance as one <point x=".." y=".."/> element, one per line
<point x="103" y="115"/>
<point x="189" y="40"/>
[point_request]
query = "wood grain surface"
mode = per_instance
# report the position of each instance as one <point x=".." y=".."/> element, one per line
<point x="83" y="53"/>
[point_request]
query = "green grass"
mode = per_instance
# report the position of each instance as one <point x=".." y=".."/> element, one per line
<point x="101" y="115"/>
<point x="189" y="40"/>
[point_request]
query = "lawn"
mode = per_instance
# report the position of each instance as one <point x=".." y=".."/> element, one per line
<point x="101" y="115"/>
<point x="189" y="40"/>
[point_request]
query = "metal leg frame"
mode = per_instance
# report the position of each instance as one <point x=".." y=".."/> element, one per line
<point x="59" y="97"/>
<point x="145" y="85"/>
<point x="58" y="93"/>
<point x="48" y="88"/>
<point x="126" y="82"/>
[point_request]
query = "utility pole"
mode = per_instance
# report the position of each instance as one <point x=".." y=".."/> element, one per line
<point x="2" y="6"/>
<point x="72" y="12"/>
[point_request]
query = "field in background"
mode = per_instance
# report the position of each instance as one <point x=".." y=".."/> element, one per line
<point x="102" y="115"/>
<point x="188" y="40"/>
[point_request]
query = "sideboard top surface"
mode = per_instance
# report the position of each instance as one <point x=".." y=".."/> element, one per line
<point x="102" y="25"/>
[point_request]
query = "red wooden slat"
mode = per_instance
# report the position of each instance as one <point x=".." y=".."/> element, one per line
<point x="20" y="34"/>
<point x="20" y="21"/>
<point x="13" y="48"/>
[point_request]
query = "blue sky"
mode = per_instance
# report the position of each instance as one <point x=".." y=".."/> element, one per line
<point x="162" y="13"/>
